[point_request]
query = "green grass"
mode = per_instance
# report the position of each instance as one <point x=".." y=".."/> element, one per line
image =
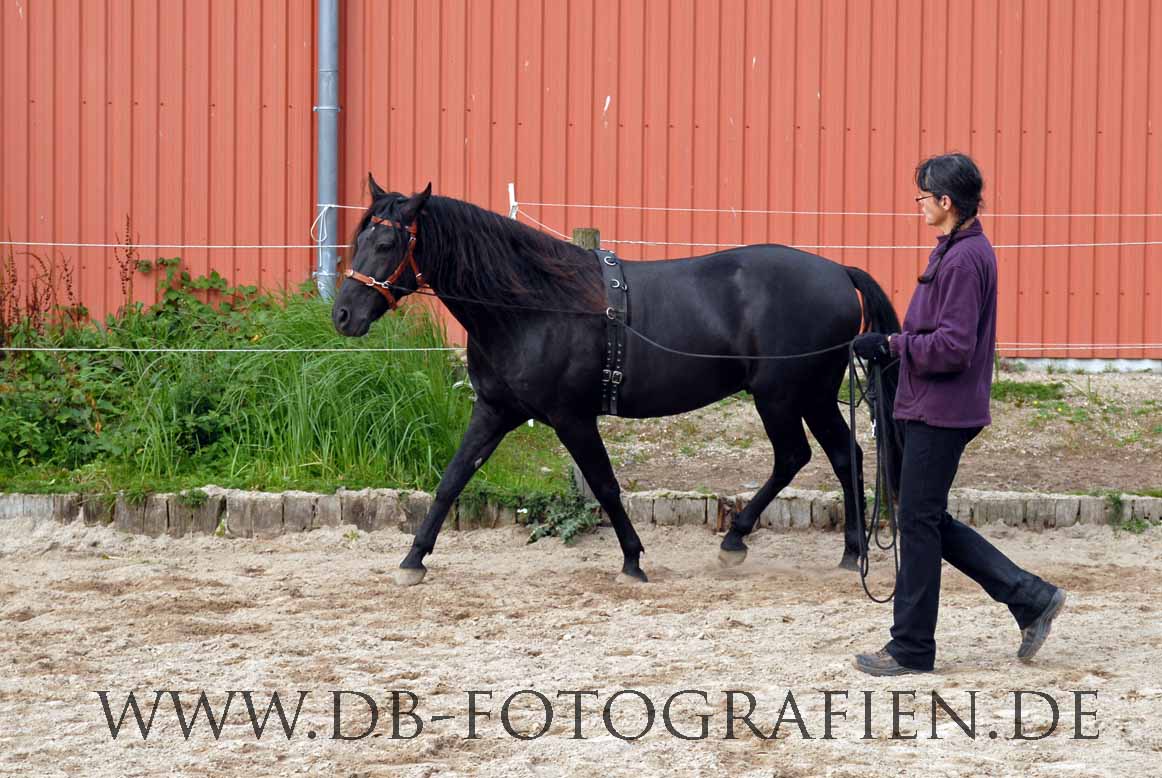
<point x="1022" y="392"/>
<point x="1070" y="413"/>
<point x="143" y="423"/>
<point x="193" y="498"/>
<point x="1083" y="408"/>
<point x="516" y="471"/>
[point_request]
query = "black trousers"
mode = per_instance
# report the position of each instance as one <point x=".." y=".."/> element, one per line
<point x="928" y="535"/>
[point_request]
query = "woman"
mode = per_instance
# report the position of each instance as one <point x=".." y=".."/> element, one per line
<point x="946" y="353"/>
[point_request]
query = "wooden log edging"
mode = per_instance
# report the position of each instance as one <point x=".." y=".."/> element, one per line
<point x="242" y="514"/>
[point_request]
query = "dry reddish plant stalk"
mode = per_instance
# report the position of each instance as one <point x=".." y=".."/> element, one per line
<point x="36" y="301"/>
<point x="127" y="260"/>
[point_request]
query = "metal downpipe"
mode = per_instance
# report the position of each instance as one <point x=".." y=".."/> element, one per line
<point x="327" y="111"/>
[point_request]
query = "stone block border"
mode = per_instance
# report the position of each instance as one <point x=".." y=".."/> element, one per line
<point x="241" y="514"/>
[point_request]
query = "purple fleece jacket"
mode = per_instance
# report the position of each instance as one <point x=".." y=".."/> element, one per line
<point x="949" y="336"/>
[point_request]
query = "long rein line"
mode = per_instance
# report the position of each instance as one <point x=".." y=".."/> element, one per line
<point x="884" y="433"/>
<point x="628" y="327"/>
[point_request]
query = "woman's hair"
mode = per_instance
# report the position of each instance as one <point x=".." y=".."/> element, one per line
<point x="958" y="177"/>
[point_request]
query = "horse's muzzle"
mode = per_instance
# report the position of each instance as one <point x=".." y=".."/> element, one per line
<point x="346" y="325"/>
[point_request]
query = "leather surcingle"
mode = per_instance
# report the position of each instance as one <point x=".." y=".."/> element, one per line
<point x="616" y="317"/>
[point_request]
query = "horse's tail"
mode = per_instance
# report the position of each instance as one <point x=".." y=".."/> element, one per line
<point x="880" y="316"/>
<point x="878" y="313"/>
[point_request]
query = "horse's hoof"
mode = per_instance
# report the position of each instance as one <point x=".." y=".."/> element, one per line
<point x="731" y="558"/>
<point x="410" y="576"/>
<point x="849" y="562"/>
<point x="632" y="575"/>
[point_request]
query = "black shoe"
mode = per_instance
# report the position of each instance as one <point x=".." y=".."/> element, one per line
<point x="882" y="663"/>
<point x="1034" y="635"/>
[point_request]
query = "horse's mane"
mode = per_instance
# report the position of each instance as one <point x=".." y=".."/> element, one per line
<point x="487" y="257"/>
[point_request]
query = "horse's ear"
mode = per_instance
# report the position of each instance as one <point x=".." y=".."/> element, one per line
<point x="376" y="190"/>
<point x="411" y="209"/>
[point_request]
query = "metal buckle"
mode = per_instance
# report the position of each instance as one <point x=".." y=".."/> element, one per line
<point x="607" y="260"/>
<point x="617" y="284"/>
<point x="610" y="313"/>
<point x="616" y="377"/>
<point x="605" y="375"/>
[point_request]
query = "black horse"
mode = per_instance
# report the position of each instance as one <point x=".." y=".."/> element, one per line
<point x="534" y="309"/>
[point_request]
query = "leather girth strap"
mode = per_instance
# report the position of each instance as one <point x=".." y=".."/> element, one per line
<point x="616" y="316"/>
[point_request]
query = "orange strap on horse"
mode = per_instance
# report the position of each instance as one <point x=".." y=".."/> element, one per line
<point x="384" y="287"/>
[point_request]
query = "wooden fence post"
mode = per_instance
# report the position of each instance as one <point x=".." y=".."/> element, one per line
<point x="587" y="237"/>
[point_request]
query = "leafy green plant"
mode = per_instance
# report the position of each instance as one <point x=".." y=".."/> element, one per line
<point x="566" y="517"/>
<point x="1135" y="525"/>
<point x="1121" y="520"/>
<point x="1117" y="504"/>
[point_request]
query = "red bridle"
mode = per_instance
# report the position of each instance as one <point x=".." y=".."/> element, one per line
<point x="384" y="287"/>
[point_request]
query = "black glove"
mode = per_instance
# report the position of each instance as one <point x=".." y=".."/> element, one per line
<point x="872" y="346"/>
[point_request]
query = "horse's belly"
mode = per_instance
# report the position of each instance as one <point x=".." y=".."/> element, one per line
<point x="683" y="386"/>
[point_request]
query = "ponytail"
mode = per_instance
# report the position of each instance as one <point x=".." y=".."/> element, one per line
<point x="929" y="275"/>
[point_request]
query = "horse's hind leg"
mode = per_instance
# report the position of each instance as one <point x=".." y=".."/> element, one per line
<point x="830" y="429"/>
<point x="486" y="429"/>
<point x="792" y="452"/>
<point x="581" y="438"/>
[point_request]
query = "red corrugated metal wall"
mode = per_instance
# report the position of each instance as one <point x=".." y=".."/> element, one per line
<point x="195" y="118"/>
<point x="191" y="118"/>
<point x="790" y="105"/>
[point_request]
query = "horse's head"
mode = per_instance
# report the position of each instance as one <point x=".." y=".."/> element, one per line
<point x="383" y="268"/>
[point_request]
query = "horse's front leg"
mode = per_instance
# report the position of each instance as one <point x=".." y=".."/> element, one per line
<point x="581" y="438"/>
<point x="486" y="429"/>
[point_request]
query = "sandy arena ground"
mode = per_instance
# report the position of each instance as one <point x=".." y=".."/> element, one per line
<point x="86" y="609"/>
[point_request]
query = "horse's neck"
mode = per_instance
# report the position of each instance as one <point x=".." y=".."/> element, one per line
<point x="478" y="318"/>
<point x="484" y="322"/>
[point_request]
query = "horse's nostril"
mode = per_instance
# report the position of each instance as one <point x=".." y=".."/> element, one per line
<point x="342" y="316"/>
